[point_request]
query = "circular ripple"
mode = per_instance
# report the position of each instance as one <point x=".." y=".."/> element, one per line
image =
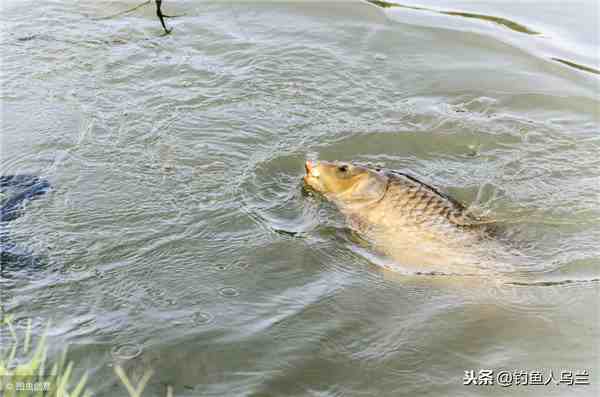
<point x="126" y="351"/>
<point x="228" y="291"/>
<point x="155" y="294"/>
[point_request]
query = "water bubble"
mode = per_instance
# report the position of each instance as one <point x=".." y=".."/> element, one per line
<point x="203" y="318"/>
<point x="126" y="351"/>
<point x="159" y="296"/>
<point x="168" y="167"/>
<point x="228" y="291"/>
<point x="221" y="267"/>
<point x="23" y="322"/>
<point x="473" y="150"/>
<point x="155" y="293"/>
<point x="170" y="301"/>
<point x="77" y="267"/>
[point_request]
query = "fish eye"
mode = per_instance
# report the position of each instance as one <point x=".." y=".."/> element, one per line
<point x="343" y="168"/>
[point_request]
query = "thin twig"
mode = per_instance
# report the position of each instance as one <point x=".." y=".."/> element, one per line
<point x="160" y="16"/>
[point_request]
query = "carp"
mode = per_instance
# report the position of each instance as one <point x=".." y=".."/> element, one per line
<point x="419" y="227"/>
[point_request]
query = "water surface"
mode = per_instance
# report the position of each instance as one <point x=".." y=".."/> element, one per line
<point x="177" y="236"/>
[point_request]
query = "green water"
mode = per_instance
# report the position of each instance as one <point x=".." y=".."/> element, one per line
<point x="177" y="231"/>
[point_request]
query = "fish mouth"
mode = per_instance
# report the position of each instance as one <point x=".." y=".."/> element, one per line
<point x="308" y="165"/>
<point x="311" y="169"/>
<point x="312" y="174"/>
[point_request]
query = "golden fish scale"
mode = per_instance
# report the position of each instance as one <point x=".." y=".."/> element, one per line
<point x="421" y="228"/>
<point x="421" y="204"/>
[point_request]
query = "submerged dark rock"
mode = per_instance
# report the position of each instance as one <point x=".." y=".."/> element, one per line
<point x="20" y="190"/>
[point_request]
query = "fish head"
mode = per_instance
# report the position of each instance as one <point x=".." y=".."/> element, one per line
<point x="345" y="183"/>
